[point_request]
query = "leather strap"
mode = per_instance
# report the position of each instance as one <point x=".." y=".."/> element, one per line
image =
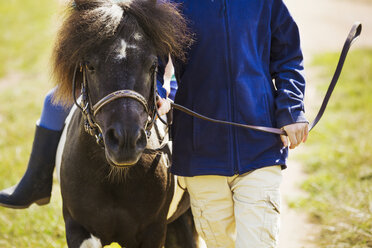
<point x="120" y="94"/>
<point x="258" y="128"/>
<point x="353" y="35"/>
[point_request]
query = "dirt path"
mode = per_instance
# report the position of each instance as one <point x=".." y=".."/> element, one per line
<point x="324" y="25"/>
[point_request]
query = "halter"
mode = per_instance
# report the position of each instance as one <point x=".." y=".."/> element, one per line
<point x="89" y="113"/>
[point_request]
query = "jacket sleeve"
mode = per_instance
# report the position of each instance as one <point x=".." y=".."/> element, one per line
<point x="286" y="67"/>
<point x="162" y="92"/>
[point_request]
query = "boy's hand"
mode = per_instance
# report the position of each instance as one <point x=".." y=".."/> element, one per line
<point x="296" y="132"/>
<point x="164" y="105"/>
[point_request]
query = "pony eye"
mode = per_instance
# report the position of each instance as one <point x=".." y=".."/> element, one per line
<point x="154" y="66"/>
<point x="89" y="67"/>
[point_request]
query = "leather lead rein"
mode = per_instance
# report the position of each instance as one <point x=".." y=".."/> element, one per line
<point x="353" y="35"/>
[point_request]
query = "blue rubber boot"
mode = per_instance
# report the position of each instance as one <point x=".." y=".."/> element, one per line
<point x="36" y="184"/>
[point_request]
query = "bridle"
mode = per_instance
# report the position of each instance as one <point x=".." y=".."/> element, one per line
<point x="89" y="111"/>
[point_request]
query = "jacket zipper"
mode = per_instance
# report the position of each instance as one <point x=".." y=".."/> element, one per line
<point x="231" y="89"/>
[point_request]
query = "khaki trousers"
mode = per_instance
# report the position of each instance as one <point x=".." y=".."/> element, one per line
<point x="241" y="211"/>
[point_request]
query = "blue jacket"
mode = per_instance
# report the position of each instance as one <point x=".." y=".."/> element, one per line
<point x="246" y="66"/>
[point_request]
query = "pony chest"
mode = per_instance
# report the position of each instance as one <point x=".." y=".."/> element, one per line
<point x="107" y="216"/>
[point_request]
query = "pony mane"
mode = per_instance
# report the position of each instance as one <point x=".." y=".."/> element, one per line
<point x="89" y="23"/>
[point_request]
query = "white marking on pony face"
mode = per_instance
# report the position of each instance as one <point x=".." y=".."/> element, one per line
<point x="137" y="36"/>
<point x="92" y="242"/>
<point x="122" y="50"/>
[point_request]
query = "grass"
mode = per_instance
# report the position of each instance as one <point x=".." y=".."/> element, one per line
<point x="27" y="32"/>
<point x="339" y="158"/>
<point x="339" y="149"/>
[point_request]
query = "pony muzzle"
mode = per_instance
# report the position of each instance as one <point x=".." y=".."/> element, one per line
<point x="123" y="147"/>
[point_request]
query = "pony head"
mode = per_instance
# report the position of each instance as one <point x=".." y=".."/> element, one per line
<point x="118" y="43"/>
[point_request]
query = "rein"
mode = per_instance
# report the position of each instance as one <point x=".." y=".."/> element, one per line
<point x="353" y="35"/>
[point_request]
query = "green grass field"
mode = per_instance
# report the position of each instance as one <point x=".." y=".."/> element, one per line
<point x="27" y="33"/>
<point x="339" y="158"/>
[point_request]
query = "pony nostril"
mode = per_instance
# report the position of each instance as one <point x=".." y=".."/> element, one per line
<point x="141" y="140"/>
<point x="126" y="139"/>
<point x="114" y="136"/>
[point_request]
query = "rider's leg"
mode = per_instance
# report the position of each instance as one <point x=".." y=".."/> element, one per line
<point x="36" y="184"/>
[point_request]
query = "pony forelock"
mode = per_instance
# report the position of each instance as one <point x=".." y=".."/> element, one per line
<point x="89" y="23"/>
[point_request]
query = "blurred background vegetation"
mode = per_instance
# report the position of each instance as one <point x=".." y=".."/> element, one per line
<point x="338" y="156"/>
<point x="27" y="33"/>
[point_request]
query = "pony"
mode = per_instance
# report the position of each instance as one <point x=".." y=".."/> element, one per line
<point x="114" y="176"/>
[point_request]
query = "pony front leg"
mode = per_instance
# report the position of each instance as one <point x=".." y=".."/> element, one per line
<point x="154" y="236"/>
<point x="181" y="233"/>
<point x="77" y="236"/>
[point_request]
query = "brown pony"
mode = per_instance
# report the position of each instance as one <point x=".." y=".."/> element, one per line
<point x="110" y="50"/>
